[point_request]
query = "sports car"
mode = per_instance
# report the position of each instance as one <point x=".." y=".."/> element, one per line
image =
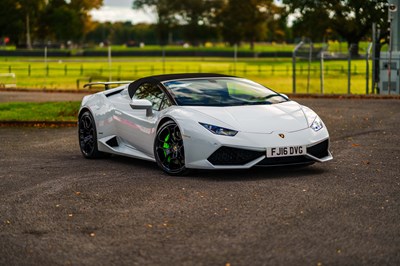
<point x="200" y="121"/>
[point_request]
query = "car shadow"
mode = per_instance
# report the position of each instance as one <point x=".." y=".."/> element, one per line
<point x="133" y="162"/>
<point x="255" y="173"/>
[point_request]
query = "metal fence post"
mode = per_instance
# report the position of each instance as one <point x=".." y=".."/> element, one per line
<point x="322" y="72"/>
<point x="309" y="67"/>
<point x="294" y="65"/>
<point x="375" y="33"/>
<point x="367" y="68"/>
<point x="45" y="61"/>
<point x="349" y="71"/>
<point x="234" y="57"/>
<point x="109" y="63"/>
<point x="163" y="60"/>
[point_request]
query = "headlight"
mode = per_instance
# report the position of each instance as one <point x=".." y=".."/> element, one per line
<point x="219" y="130"/>
<point x="317" y="124"/>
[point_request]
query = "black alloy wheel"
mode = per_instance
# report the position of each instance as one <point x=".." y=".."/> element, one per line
<point x="168" y="149"/>
<point x="88" y="136"/>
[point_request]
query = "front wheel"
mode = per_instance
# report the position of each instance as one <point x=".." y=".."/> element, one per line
<point x="168" y="149"/>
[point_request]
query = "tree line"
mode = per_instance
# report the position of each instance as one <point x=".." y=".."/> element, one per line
<point x="26" y="22"/>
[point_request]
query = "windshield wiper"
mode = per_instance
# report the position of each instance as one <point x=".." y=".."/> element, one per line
<point x="273" y="95"/>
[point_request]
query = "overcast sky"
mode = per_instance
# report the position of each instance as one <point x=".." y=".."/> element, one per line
<point x="121" y="10"/>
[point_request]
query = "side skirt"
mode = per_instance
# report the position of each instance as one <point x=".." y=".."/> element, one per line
<point x="113" y="145"/>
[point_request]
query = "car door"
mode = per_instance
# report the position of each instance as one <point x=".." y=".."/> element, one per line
<point x="135" y="127"/>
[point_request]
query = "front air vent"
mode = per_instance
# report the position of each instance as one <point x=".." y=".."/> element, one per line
<point x="319" y="150"/>
<point x="233" y="156"/>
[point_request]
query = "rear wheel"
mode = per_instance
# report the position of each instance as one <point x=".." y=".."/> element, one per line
<point x="168" y="149"/>
<point x="88" y="137"/>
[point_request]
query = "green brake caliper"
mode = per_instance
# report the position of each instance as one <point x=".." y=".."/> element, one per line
<point x="166" y="146"/>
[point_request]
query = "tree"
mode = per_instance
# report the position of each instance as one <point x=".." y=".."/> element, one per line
<point x="82" y="8"/>
<point x="122" y="33"/>
<point x="64" y="21"/>
<point x="246" y="20"/>
<point x="45" y="19"/>
<point x="351" y="19"/>
<point x="165" y="10"/>
<point x="59" y="22"/>
<point x="277" y="28"/>
<point x="198" y="18"/>
<point x="30" y="10"/>
<point x="314" y="25"/>
<point x="11" y="24"/>
<point x="145" y="33"/>
<point x="101" y="33"/>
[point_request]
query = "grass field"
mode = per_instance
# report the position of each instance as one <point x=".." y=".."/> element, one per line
<point x="72" y="73"/>
<point x="332" y="46"/>
<point x="52" y="111"/>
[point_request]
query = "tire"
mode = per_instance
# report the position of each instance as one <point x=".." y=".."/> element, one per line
<point x="88" y="137"/>
<point x="169" y="150"/>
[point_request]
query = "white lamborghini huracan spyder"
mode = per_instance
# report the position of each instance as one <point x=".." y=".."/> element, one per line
<point x="201" y="121"/>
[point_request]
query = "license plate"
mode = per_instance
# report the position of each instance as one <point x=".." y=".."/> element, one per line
<point x="286" y="151"/>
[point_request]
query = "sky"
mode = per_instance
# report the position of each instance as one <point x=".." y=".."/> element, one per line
<point x="121" y="10"/>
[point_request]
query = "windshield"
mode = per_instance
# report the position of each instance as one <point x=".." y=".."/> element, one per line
<point x="221" y="92"/>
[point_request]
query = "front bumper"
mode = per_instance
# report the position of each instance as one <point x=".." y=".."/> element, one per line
<point x="207" y="151"/>
<point x="226" y="156"/>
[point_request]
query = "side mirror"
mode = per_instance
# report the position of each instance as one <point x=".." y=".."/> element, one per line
<point x="142" y="104"/>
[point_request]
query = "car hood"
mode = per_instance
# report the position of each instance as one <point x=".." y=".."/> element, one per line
<point x="284" y="117"/>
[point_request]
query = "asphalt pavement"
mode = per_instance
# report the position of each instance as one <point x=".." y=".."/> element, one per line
<point x="58" y="208"/>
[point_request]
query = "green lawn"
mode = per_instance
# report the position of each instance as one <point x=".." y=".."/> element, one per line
<point x="271" y="47"/>
<point x="50" y="111"/>
<point x="72" y="73"/>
